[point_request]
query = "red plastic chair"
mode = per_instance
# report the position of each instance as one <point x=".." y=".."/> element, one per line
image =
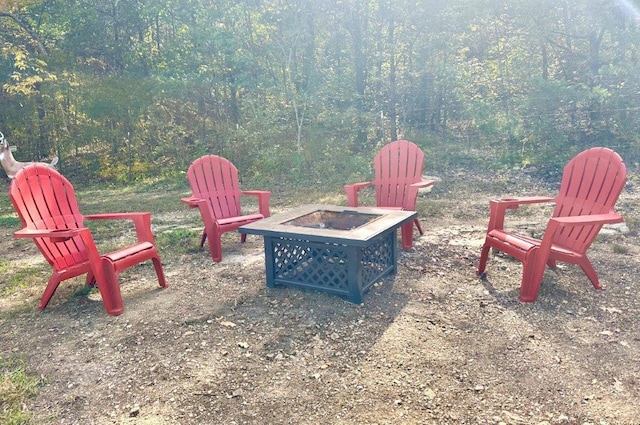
<point x="397" y="179"/>
<point x="216" y="193"/>
<point x="46" y="204"/>
<point x="591" y="184"/>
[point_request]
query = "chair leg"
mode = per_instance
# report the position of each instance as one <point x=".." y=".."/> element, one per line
<point x="588" y="269"/>
<point x="109" y="287"/>
<point x="203" y="238"/>
<point x="157" y="265"/>
<point x="52" y="285"/>
<point x="215" y="246"/>
<point x="531" y="276"/>
<point x="484" y="256"/>
<point x="243" y="237"/>
<point x="407" y="236"/>
<point x="419" y="226"/>
<point x="90" y="280"/>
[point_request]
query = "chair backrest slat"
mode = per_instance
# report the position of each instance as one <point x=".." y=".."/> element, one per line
<point x="216" y="179"/>
<point x="44" y="199"/>
<point x="397" y="166"/>
<point x="591" y="184"/>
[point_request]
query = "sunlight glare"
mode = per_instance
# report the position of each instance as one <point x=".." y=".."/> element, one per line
<point x="630" y="7"/>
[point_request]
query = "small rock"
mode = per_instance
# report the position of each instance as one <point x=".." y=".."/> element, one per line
<point x="616" y="228"/>
<point x="134" y="412"/>
<point x="429" y="394"/>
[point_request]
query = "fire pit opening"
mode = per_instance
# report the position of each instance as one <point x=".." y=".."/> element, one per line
<point x="337" y="220"/>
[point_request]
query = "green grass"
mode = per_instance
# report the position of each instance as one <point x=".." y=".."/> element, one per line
<point x="14" y="278"/>
<point x="184" y="238"/>
<point x="17" y="388"/>
<point x="10" y="220"/>
<point x="124" y="198"/>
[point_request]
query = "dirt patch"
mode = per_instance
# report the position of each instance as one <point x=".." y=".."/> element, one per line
<point x="432" y="344"/>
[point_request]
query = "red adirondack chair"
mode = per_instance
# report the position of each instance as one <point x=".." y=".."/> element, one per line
<point x="397" y="180"/>
<point x="590" y="186"/>
<point x="216" y="193"/>
<point x="46" y="204"/>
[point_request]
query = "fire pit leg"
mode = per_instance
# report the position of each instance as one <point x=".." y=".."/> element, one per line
<point x="269" y="262"/>
<point x="394" y="250"/>
<point x="354" y="257"/>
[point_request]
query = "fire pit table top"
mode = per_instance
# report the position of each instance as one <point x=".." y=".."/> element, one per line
<point x="331" y="223"/>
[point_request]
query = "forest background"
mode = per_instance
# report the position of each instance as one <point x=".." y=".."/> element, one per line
<point x="134" y="90"/>
<point x="300" y="95"/>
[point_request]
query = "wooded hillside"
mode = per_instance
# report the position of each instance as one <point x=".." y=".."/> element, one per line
<point x="132" y="89"/>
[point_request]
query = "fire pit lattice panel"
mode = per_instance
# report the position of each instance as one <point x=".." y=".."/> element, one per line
<point x="376" y="260"/>
<point x="324" y="266"/>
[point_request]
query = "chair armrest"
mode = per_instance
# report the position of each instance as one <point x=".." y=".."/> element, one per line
<point x="423" y="183"/>
<point x="264" y="196"/>
<point x="498" y="208"/>
<point x="352" y="192"/>
<point x="141" y="221"/>
<point x="556" y="223"/>
<point x="117" y="216"/>
<point x="56" y="235"/>
<point x="409" y="202"/>
<point x="192" y="201"/>
<point x="63" y="235"/>
<point x="581" y="220"/>
<point x="512" y="203"/>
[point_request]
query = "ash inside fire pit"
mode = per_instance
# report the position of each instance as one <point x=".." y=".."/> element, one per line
<point x="337" y="220"/>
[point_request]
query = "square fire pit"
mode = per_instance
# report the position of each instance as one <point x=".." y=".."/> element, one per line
<point x="340" y="250"/>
